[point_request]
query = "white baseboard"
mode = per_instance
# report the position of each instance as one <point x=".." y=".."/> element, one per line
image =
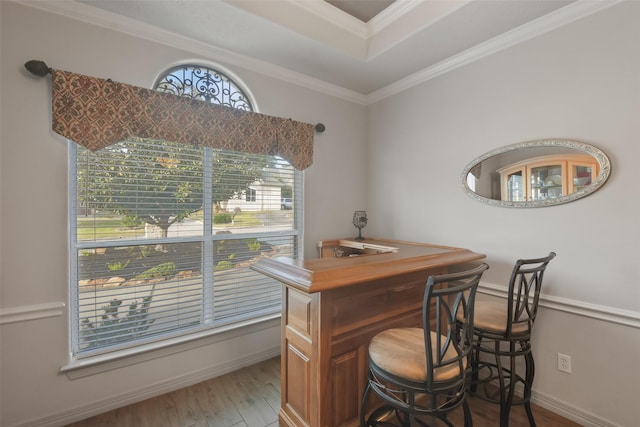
<point x="152" y="390"/>
<point x="570" y="412"/>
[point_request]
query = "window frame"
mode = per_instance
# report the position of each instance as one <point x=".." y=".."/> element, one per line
<point x="99" y="361"/>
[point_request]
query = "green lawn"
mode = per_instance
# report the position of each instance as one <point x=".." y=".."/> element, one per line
<point x="112" y="226"/>
<point x="107" y="226"/>
<point x="242" y="219"/>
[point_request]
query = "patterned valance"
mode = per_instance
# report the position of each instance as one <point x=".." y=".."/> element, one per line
<point x="96" y="113"/>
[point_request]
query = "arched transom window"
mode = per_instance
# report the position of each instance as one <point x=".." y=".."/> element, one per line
<point x="204" y="84"/>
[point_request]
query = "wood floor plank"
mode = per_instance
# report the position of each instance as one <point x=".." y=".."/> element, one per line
<point x="218" y="408"/>
<point x="147" y="412"/>
<point x="253" y="408"/>
<point x="122" y="415"/>
<point x="107" y="419"/>
<point x="250" y="397"/>
<point x="267" y="377"/>
<point x="188" y="412"/>
<point x="267" y="372"/>
<point x="271" y="396"/>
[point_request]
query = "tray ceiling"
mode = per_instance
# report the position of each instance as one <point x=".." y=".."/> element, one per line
<point x="387" y="42"/>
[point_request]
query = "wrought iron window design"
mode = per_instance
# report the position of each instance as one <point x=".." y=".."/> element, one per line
<point x="205" y="84"/>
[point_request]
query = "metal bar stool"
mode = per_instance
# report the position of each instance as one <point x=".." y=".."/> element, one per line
<point x="420" y="373"/>
<point x="502" y="333"/>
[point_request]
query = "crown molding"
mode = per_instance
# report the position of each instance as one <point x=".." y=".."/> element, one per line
<point x="315" y="19"/>
<point x="330" y="15"/>
<point x="403" y="20"/>
<point x="98" y="17"/>
<point x="540" y="26"/>
<point x="333" y="19"/>
<point x="391" y="14"/>
<point x="129" y="26"/>
<point x="329" y="25"/>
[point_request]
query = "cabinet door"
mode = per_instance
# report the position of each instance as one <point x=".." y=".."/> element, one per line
<point x="581" y="175"/>
<point x="513" y="185"/>
<point x="547" y="181"/>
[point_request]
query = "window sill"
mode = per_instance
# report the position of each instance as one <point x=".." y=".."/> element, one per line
<point x="80" y="368"/>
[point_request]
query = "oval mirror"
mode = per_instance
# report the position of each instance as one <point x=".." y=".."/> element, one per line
<point x="537" y="173"/>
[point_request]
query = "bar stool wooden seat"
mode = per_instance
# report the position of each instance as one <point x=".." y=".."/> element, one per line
<point x="420" y="374"/>
<point x="502" y="335"/>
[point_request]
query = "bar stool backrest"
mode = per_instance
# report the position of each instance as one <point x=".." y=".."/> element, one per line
<point x="524" y="294"/>
<point x="447" y="340"/>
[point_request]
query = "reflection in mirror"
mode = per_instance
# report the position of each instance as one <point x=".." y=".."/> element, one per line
<point x="536" y="173"/>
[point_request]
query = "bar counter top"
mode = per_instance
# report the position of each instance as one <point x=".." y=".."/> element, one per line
<point x="384" y="258"/>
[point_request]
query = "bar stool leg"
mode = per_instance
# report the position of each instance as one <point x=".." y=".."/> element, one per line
<point x="468" y="420"/>
<point x="363" y="409"/>
<point x="530" y="371"/>
<point x="504" y="417"/>
<point x="506" y="409"/>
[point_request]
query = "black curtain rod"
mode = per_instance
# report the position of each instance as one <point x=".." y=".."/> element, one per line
<point x="40" y="69"/>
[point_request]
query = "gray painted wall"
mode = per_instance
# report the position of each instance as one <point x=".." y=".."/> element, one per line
<point x="581" y="82"/>
<point x="400" y="159"/>
<point x="34" y="217"/>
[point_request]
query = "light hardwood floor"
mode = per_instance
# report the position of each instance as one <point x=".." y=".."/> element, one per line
<point x="250" y="397"/>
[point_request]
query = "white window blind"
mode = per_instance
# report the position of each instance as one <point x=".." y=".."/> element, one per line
<point x="163" y="236"/>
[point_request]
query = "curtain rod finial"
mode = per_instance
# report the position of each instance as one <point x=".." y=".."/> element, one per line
<point x="320" y="128"/>
<point x="39" y="68"/>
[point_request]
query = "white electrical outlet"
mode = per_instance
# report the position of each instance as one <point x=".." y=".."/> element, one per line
<point x="564" y="363"/>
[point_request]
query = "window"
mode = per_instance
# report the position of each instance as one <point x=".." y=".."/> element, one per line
<point x="163" y="234"/>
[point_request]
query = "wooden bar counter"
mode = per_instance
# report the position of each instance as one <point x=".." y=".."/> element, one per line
<point x="333" y="306"/>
